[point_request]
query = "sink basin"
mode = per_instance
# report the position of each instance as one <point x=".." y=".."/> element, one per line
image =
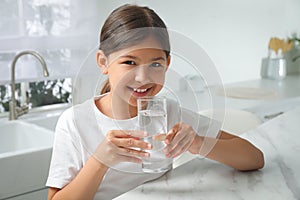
<point x="25" y="153"/>
<point x="21" y="137"/>
<point x="47" y="120"/>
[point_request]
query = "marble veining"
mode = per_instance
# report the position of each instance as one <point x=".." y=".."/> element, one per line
<point x="202" y="178"/>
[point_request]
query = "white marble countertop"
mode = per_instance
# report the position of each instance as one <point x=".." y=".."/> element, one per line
<point x="206" y="179"/>
<point x="285" y="89"/>
<point x="283" y="95"/>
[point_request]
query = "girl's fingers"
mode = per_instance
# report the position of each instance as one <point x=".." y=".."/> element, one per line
<point x="169" y="137"/>
<point x="171" y="134"/>
<point x="126" y="134"/>
<point x="139" y="134"/>
<point x="177" y="137"/>
<point x="128" y="138"/>
<point x="132" y="152"/>
<point x="181" y="147"/>
<point x="130" y="142"/>
<point x="160" y="137"/>
<point x="181" y="140"/>
<point x="175" y="143"/>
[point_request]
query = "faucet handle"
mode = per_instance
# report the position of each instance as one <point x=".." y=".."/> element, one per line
<point x="22" y="110"/>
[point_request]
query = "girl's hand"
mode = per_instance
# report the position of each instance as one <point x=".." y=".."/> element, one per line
<point x="179" y="139"/>
<point x="121" y="146"/>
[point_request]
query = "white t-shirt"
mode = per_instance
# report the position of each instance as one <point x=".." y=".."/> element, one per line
<point x="81" y="129"/>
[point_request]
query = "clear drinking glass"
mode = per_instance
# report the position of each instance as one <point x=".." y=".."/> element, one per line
<point x="152" y="117"/>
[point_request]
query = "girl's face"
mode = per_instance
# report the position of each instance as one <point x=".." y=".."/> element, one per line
<point x="136" y="71"/>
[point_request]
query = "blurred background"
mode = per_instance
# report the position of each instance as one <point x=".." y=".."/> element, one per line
<point x="234" y="34"/>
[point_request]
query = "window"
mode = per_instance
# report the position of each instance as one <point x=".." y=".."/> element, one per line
<point x="62" y="32"/>
<point x="38" y="93"/>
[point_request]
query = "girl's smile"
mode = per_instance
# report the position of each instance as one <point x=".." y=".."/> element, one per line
<point x="141" y="91"/>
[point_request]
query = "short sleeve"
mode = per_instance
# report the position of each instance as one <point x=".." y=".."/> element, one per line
<point x="66" y="159"/>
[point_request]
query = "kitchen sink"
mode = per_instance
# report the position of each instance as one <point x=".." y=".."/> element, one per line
<point x="19" y="136"/>
<point x="46" y="119"/>
<point x="25" y="153"/>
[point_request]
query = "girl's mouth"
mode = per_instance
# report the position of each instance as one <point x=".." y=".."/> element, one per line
<point x="140" y="92"/>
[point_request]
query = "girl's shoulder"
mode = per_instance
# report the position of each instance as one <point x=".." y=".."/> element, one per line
<point x="75" y="113"/>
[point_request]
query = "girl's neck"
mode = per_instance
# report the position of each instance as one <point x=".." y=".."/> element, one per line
<point x="116" y="109"/>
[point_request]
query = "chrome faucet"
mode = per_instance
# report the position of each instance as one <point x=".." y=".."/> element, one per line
<point x="14" y="110"/>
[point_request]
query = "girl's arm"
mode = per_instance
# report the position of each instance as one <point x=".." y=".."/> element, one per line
<point x="84" y="185"/>
<point x="230" y="150"/>
<point x="118" y="146"/>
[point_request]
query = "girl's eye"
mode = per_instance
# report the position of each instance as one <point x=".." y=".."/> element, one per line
<point x="129" y="62"/>
<point x="156" y="64"/>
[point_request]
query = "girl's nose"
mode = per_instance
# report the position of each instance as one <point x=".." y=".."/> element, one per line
<point x="141" y="75"/>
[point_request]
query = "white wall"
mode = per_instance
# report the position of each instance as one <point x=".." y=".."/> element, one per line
<point x="234" y="33"/>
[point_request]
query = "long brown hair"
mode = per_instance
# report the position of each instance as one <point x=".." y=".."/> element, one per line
<point x="128" y="25"/>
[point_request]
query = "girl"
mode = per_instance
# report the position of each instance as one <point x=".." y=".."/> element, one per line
<point x="97" y="135"/>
